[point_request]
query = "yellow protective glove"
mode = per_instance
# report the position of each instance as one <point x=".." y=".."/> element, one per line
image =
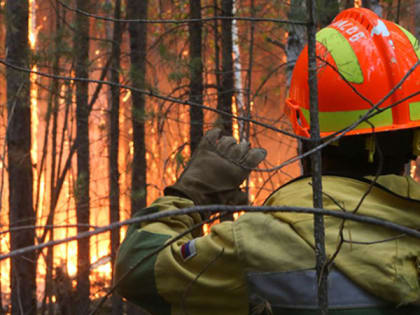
<point x="216" y="170"/>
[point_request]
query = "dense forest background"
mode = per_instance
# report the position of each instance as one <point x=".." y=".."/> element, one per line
<point x="102" y="103"/>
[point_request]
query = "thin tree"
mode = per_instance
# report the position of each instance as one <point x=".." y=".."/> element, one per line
<point x="227" y="80"/>
<point x="321" y="14"/>
<point x="247" y="111"/>
<point x="114" y="133"/>
<point x="138" y="49"/>
<point x="81" y="51"/>
<point x="52" y="114"/>
<point x="217" y="52"/>
<point x="196" y="74"/>
<point x="316" y="161"/>
<point x="21" y="212"/>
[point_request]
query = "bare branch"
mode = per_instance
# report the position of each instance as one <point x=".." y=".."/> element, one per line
<point x="183" y="21"/>
<point x="151" y="94"/>
<point x="316" y="162"/>
<point x="47" y="226"/>
<point x="214" y="209"/>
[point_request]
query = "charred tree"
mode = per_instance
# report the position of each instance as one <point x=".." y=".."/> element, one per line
<point x="114" y="133"/>
<point x="21" y="212"/>
<point x="81" y="52"/>
<point x="227" y="79"/>
<point x="196" y="74"/>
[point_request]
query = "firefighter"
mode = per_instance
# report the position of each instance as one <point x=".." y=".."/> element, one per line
<point x="268" y="259"/>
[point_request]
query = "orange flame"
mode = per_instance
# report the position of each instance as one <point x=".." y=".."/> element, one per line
<point x="160" y="150"/>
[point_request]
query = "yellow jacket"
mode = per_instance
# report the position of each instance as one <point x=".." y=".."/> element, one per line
<point x="269" y="257"/>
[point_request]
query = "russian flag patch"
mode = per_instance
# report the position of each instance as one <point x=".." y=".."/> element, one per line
<point x="188" y="250"/>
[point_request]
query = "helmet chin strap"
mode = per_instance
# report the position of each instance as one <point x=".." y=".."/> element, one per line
<point x="370" y="146"/>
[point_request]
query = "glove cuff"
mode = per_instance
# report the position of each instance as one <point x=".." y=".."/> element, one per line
<point x="173" y="191"/>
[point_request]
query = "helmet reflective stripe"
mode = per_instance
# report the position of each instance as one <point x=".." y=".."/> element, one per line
<point x="334" y="121"/>
<point x="415" y="111"/>
<point x="342" y="53"/>
<point x="412" y="40"/>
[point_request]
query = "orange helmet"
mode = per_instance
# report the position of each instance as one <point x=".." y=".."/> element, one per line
<point x="372" y="55"/>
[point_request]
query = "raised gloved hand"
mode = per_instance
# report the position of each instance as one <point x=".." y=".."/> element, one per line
<point x="216" y="170"/>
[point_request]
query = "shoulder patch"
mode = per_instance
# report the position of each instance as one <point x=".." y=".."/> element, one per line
<point x="188" y="250"/>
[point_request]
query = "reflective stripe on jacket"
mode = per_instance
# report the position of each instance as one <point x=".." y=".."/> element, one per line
<point x="269" y="257"/>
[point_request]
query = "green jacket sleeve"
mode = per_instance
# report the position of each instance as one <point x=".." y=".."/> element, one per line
<point x="193" y="275"/>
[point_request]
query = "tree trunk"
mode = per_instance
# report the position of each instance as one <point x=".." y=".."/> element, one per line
<point x="296" y="37"/>
<point x="227" y="78"/>
<point x="21" y="212"/>
<point x="196" y="75"/>
<point x="348" y="4"/>
<point x="237" y="73"/>
<point x="53" y="108"/>
<point x="247" y="111"/>
<point x="114" y="188"/>
<point x="227" y="68"/>
<point x="217" y="53"/>
<point x="327" y="10"/>
<point x="81" y="44"/>
<point x="138" y="48"/>
<point x="417" y="20"/>
<point x="373" y="5"/>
